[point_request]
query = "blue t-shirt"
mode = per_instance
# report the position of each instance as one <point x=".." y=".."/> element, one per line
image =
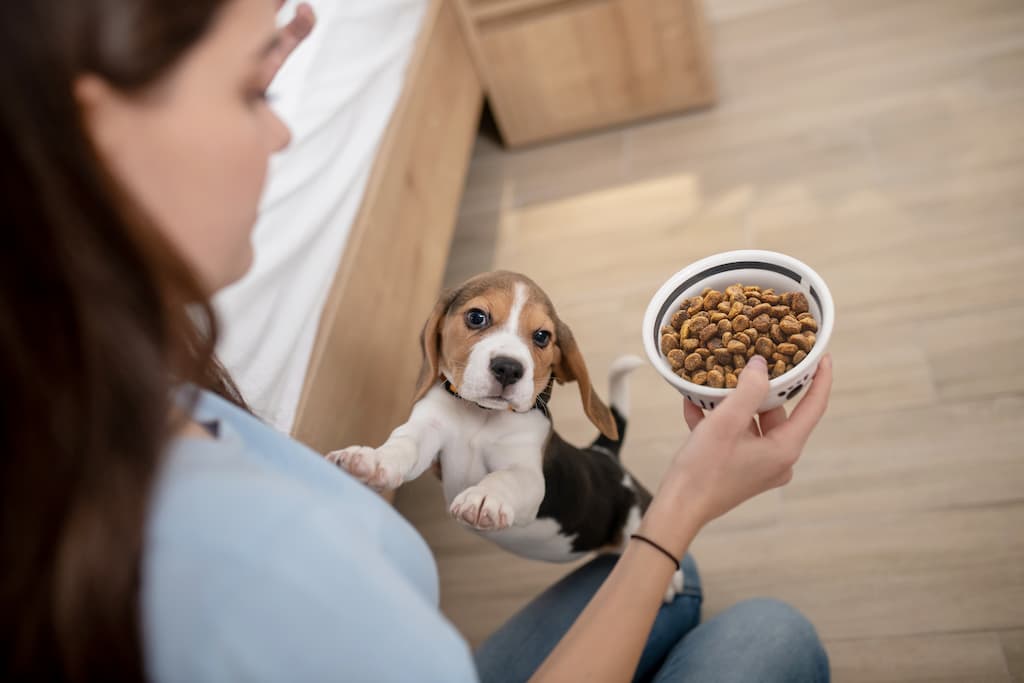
<point x="264" y="562"/>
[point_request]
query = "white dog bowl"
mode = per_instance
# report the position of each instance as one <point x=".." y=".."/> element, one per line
<point x="749" y="267"/>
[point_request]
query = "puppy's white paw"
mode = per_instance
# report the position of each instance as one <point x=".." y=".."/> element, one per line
<point x="675" y="586"/>
<point x="381" y="468"/>
<point x="478" y="508"/>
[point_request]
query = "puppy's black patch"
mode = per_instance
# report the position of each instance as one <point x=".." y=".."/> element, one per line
<point x="584" y="490"/>
<point x="611" y="446"/>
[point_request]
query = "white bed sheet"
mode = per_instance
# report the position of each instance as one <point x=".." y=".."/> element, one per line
<point x="337" y="94"/>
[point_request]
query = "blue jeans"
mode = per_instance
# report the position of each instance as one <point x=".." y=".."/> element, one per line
<point x="755" y="640"/>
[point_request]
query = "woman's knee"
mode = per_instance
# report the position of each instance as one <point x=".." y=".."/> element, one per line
<point x="785" y="640"/>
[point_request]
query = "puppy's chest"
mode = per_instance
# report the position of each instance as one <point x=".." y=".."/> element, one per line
<point x="464" y="460"/>
<point x="481" y="445"/>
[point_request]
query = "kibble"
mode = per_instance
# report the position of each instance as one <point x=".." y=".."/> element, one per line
<point x="790" y="325"/>
<point x="669" y="342"/>
<point x="712" y="337"/>
<point x="801" y="341"/>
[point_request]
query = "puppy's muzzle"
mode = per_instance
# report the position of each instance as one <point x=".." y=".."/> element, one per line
<point x="506" y="370"/>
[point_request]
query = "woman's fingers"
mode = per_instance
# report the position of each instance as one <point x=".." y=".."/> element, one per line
<point x="811" y="407"/>
<point x="692" y="414"/>
<point x="772" y="419"/>
<point x="741" y="405"/>
<point x="769" y="421"/>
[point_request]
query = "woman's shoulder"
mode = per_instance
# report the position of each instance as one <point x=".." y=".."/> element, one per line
<point x="227" y="499"/>
<point x="217" y="496"/>
<point x="249" y="478"/>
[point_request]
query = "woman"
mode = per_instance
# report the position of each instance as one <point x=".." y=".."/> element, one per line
<point x="153" y="529"/>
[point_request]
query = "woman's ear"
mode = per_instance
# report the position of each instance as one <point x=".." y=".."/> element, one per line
<point x="569" y="367"/>
<point x="430" y="344"/>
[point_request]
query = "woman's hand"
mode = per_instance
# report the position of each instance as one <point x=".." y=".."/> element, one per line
<point x="734" y="454"/>
<point x="288" y="38"/>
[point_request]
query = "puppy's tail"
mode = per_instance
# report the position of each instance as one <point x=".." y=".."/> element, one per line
<point x="618" y="395"/>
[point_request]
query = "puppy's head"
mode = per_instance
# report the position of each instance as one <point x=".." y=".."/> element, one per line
<point x="498" y="340"/>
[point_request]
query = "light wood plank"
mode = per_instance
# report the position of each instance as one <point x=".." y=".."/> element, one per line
<point x="1013" y="650"/>
<point x="518" y="178"/>
<point x="939" y="572"/>
<point x="875" y="465"/>
<point x="919" y="659"/>
<point x="476" y="235"/>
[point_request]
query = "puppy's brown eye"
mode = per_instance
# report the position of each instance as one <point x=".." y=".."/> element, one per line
<point x="541" y="338"/>
<point x="476" y="319"/>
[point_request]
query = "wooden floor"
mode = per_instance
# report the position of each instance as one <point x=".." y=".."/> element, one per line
<point x="881" y="141"/>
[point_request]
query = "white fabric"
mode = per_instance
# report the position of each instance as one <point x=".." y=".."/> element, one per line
<point x="337" y="94"/>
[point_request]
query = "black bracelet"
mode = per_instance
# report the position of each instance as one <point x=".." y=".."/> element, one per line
<point x="658" y="547"/>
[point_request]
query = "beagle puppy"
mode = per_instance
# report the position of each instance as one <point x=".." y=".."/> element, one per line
<point x="492" y="348"/>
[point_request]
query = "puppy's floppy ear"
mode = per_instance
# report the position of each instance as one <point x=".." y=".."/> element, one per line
<point x="430" y="344"/>
<point x="568" y="367"/>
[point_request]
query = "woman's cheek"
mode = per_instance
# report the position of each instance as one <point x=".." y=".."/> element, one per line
<point x="248" y="176"/>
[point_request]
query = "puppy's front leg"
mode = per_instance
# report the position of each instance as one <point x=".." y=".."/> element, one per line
<point x="404" y="456"/>
<point x="407" y="453"/>
<point x="504" y="498"/>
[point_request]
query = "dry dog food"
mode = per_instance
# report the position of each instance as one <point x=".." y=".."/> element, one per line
<point x="712" y="336"/>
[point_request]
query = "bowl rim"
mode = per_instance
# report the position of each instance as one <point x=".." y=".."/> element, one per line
<point x="660" y="298"/>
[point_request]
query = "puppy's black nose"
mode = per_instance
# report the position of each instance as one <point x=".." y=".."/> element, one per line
<point x="506" y="370"/>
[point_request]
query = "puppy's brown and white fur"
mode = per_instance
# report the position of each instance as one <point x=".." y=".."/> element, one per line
<point x="491" y="348"/>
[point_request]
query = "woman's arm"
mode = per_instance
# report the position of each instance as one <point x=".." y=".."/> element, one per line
<point x="730" y="457"/>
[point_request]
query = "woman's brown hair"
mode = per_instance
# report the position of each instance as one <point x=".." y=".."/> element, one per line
<point x="98" y="320"/>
